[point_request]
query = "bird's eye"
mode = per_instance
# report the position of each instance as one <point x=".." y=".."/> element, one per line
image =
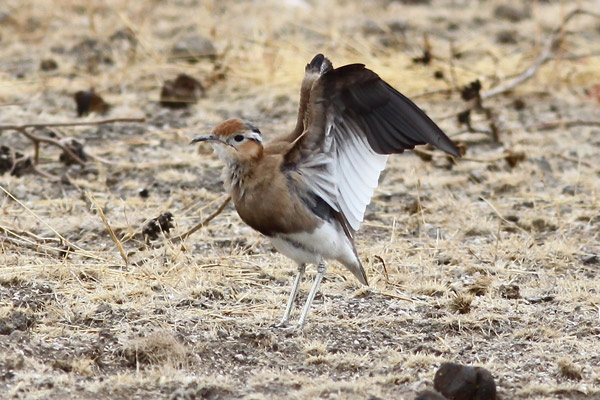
<point x="238" y="138"/>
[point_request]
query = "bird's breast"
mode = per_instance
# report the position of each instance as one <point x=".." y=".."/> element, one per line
<point x="265" y="202"/>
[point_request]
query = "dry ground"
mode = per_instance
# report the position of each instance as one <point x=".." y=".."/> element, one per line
<point x="485" y="264"/>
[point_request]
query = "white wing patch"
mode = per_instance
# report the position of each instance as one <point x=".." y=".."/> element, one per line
<point x="345" y="171"/>
<point x="357" y="173"/>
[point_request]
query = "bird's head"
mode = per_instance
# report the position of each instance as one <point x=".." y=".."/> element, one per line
<point x="234" y="140"/>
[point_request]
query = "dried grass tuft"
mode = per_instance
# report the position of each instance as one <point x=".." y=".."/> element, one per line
<point x="159" y="348"/>
<point x="568" y="369"/>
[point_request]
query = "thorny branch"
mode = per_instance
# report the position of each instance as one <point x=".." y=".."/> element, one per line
<point x="548" y="53"/>
<point x="77" y="123"/>
<point x="37" y="139"/>
<point x="185" y="235"/>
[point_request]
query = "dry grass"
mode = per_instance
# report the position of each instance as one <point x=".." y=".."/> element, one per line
<point x="191" y="319"/>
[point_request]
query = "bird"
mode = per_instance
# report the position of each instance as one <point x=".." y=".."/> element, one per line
<point x="307" y="190"/>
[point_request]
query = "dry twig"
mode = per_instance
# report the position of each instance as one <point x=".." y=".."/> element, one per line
<point x="110" y="230"/>
<point x="185" y="235"/>
<point x="566" y="123"/>
<point x="22" y="128"/>
<point x="547" y="54"/>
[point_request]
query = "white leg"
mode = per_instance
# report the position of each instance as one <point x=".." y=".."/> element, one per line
<point x="321" y="268"/>
<point x="290" y="303"/>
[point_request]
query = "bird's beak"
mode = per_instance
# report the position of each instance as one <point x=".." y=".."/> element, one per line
<point x="205" y="138"/>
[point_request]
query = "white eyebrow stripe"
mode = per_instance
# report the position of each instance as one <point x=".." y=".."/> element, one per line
<point x="255" y="136"/>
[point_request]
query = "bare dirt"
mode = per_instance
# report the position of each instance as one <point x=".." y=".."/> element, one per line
<point x="492" y="260"/>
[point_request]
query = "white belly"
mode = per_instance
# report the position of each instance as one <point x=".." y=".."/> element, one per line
<point x="327" y="242"/>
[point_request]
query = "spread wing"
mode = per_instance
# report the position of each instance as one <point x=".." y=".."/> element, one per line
<point x="349" y="123"/>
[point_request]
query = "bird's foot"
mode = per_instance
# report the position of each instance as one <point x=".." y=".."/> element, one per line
<point x="284" y="326"/>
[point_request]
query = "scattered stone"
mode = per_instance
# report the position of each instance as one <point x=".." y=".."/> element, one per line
<point x="88" y="101"/>
<point x="144" y="193"/>
<point x="513" y="158"/>
<point x="181" y="92"/>
<point x="570" y="190"/>
<point x="471" y="90"/>
<point x="192" y="47"/>
<point x="506" y="37"/>
<point x="519" y="104"/>
<point x="461" y="382"/>
<point x="48" y="64"/>
<point x="591" y="259"/>
<point x="511" y="13"/>
<point x="16" y="321"/>
<point x="544" y="165"/>
<point x="162" y="223"/>
<point x="510" y="291"/>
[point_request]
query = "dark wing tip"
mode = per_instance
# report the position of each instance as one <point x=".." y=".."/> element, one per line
<point x="319" y="64"/>
<point x="446" y="144"/>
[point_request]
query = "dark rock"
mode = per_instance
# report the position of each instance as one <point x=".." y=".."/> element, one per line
<point x="591" y="260"/>
<point x="511" y="13"/>
<point x="181" y="92"/>
<point x="144" y="193"/>
<point x="88" y="101"/>
<point x="519" y="104"/>
<point x="506" y="37"/>
<point x="461" y="382"/>
<point x="570" y="190"/>
<point x="513" y="158"/>
<point x="471" y="90"/>
<point x="48" y="64"/>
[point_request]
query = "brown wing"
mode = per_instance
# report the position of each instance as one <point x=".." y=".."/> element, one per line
<point x="313" y="71"/>
<point x="351" y="122"/>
